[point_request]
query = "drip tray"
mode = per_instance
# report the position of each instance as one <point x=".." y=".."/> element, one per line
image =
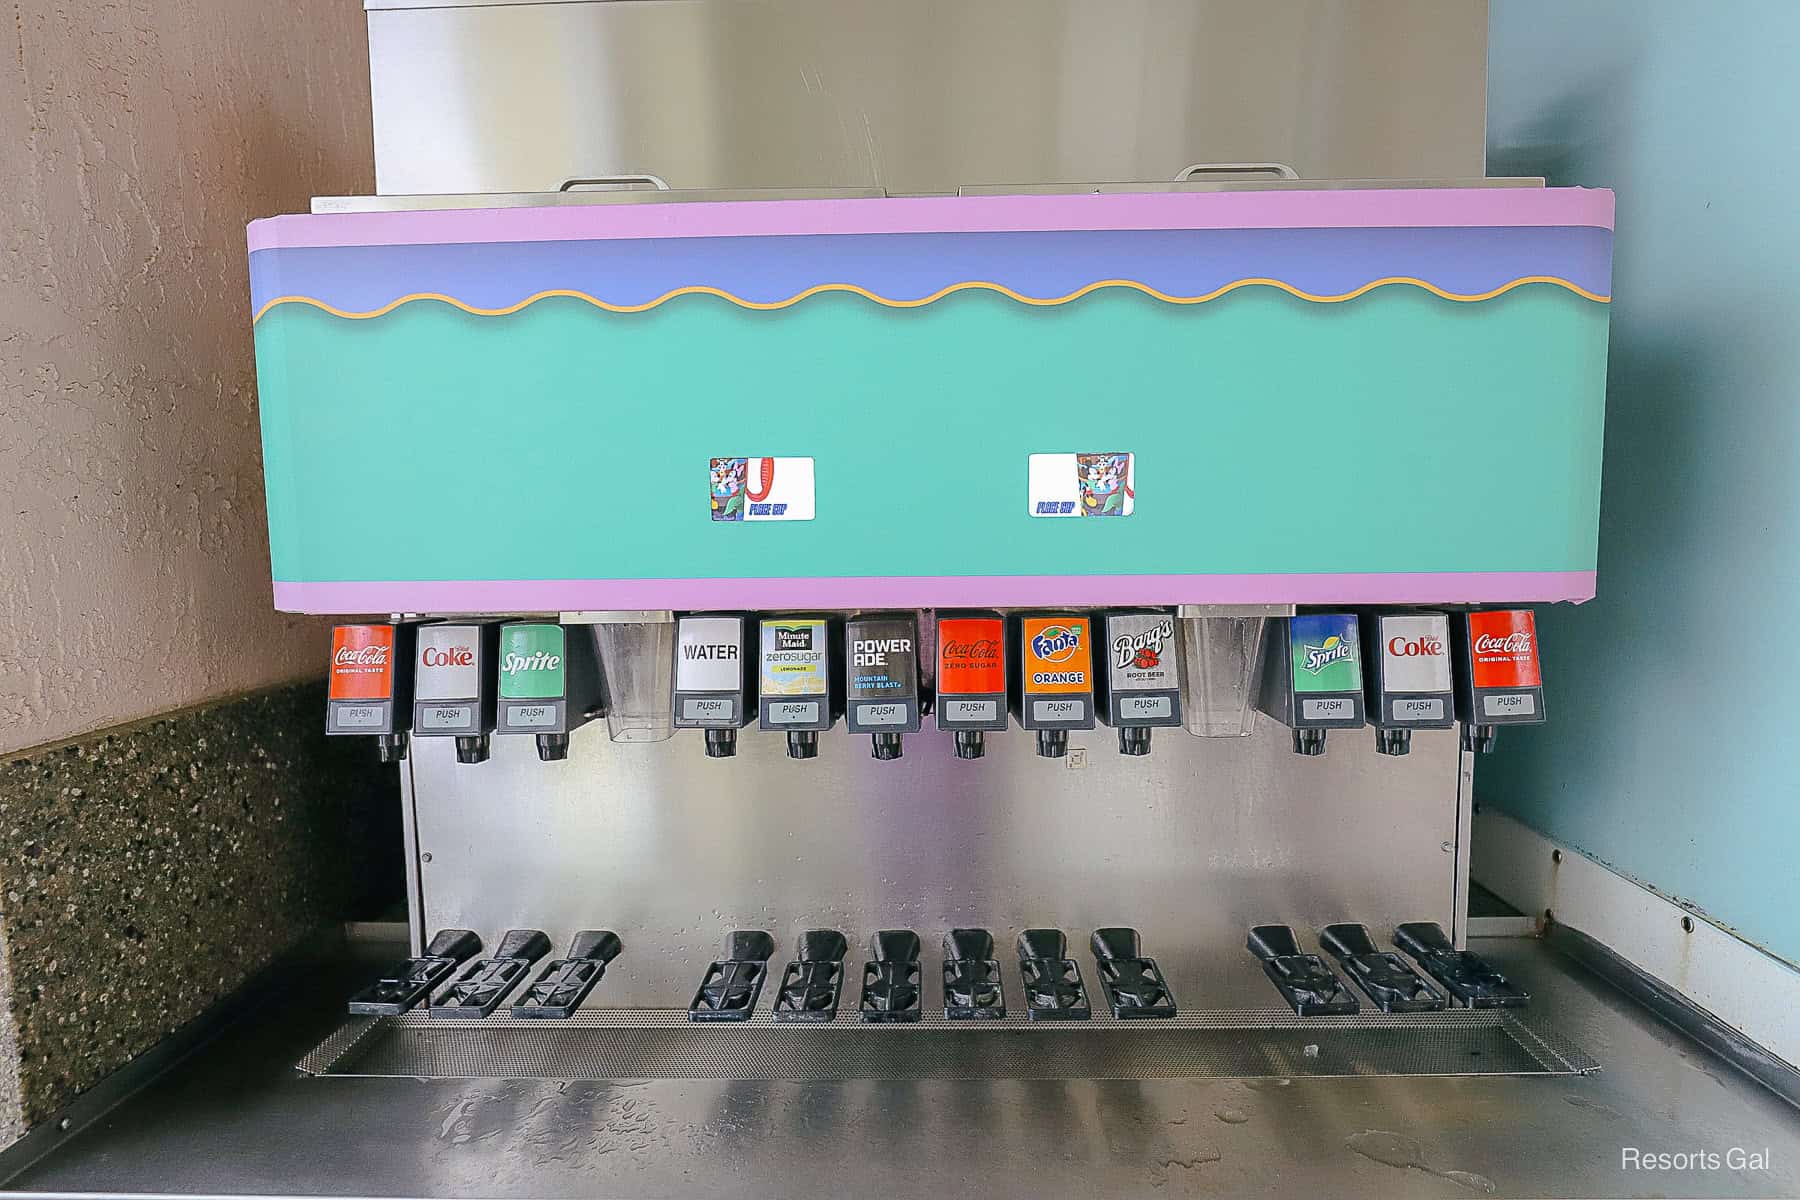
<point x="656" y="1044"/>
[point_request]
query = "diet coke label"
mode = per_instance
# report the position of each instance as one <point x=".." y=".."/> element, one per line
<point x="1503" y="649"/>
<point x="448" y="663"/>
<point x="362" y="662"/>
<point x="1415" y="652"/>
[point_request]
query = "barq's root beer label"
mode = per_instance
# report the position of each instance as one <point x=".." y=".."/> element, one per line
<point x="362" y="662"/>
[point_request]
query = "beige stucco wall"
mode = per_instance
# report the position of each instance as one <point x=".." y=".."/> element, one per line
<point x="136" y="140"/>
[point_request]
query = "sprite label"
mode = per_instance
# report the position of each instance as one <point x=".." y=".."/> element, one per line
<point x="532" y="661"/>
<point x="1326" y="652"/>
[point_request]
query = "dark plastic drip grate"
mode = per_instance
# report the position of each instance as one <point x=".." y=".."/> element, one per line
<point x="656" y="1044"/>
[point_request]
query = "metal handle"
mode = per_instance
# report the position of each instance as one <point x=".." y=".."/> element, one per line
<point x="1278" y="170"/>
<point x="655" y="181"/>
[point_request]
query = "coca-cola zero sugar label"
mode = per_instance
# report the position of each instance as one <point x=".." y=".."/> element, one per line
<point x="1503" y="649"/>
<point x="971" y="672"/>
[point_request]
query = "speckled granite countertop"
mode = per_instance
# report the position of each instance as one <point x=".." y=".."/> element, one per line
<point x="147" y="871"/>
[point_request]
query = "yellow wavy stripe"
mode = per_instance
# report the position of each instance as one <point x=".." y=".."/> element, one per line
<point x="971" y="285"/>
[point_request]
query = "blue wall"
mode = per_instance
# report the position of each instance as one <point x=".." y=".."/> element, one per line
<point x="1673" y="752"/>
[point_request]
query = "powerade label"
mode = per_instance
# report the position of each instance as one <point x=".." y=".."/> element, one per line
<point x="1325" y="653"/>
<point x="883" y="659"/>
<point x="1058" y="654"/>
<point x="1415" y="652"/>
<point x="1140" y="652"/>
<point x="532" y="662"/>
<point x="362" y="663"/>
<point x="709" y="654"/>
<point x="793" y="657"/>
<point x="448" y="663"/>
<point x="971" y="656"/>
<point x="882" y="662"/>
<point x="1503" y="649"/>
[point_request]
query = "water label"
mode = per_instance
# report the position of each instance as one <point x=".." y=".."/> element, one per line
<point x="448" y="663"/>
<point x="362" y="663"/>
<point x="794" y="656"/>
<point x="761" y="488"/>
<point x="1415" y="652"/>
<point x="1080" y="485"/>
<point x="709" y="654"/>
<point x="533" y="662"/>
<point x="1326" y="654"/>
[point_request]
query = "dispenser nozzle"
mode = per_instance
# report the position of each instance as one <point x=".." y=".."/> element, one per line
<point x="1479" y="738"/>
<point x="553" y="747"/>
<point x="885" y="746"/>
<point x="390" y="747"/>
<point x="1393" y="741"/>
<point x="472" y="749"/>
<point x="721" y="743"/>
<point x="1052" y="743"/>
<point x="802" y="743"/>
<point x="970" y="744"/>
<point x="1134" y="740"/>
<point x="1310" y="742"/>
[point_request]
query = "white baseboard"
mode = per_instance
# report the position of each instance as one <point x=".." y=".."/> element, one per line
<point x="1743" y="985"/>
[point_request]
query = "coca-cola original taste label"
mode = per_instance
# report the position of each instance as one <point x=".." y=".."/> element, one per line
<point x="1503" y="649"/>
<point x="362" y="662"/>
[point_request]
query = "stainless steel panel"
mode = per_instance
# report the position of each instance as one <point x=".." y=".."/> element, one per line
<point x="665" y="1045"/>
<point x="236" y="1118"/>
<point x="1191" y="845"/>
<point x="923" y="96"/>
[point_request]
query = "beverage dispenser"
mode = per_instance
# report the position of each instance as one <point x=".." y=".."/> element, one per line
<point x="453" y="685"/>
<point x="882" y="695"/>
<point x="369" y="688"/>
<point x="1054" y="690"/>
<point x="971" y="679"/>
<point x="713" y="681"/>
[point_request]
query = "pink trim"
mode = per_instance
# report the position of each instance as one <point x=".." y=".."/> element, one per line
<point x="992" y="591"/>
<point x="1346" y="209"/>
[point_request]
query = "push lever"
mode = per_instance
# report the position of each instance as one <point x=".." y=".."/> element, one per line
<point x="566" y="982"/>
<point x="1466" y="976"/>
<point x="1385" y="977"/>
<point x="1053" y="987"/>
<point x="413" y="980"/>
<point x="812" y="983"/>
<point x="890" y="986"/>
<point x="485" y="982"/>
<point x="972" y="988"/>
<point x="1133" y="984"/>
<point x="732" y="984"/>
<point x="1304" y="981"/>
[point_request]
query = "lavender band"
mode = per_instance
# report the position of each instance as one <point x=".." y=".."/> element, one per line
<point x="995" y="591"/>
<point x="913" y="266"/>
<point x="1350" y="208"/>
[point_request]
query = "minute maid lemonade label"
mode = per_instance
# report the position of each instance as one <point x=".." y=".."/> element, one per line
<point x="1058" y="654"/>
<point x="794" y="657"/>
<point x="1327" y="657"/>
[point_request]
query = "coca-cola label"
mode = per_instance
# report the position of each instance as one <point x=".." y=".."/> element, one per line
<point x="1141" y="651"/>
<point x="1415" y="652"/>
<point x="971" y="656"/>
<point x="1503" y="650"/>
<point x="362" y="662"/>
<point x="448" y="663"/>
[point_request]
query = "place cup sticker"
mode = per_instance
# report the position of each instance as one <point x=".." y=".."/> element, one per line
<point x="1099" y="484"/>
<point x="761" y="488"/>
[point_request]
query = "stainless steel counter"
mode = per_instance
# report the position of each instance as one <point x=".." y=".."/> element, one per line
<point x="238" y="1119"/>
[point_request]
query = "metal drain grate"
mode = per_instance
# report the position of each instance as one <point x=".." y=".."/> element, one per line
<point x="638" y="1044"/>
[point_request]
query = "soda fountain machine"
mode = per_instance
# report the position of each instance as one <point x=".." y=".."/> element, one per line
<point x="1028" y="729"/>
